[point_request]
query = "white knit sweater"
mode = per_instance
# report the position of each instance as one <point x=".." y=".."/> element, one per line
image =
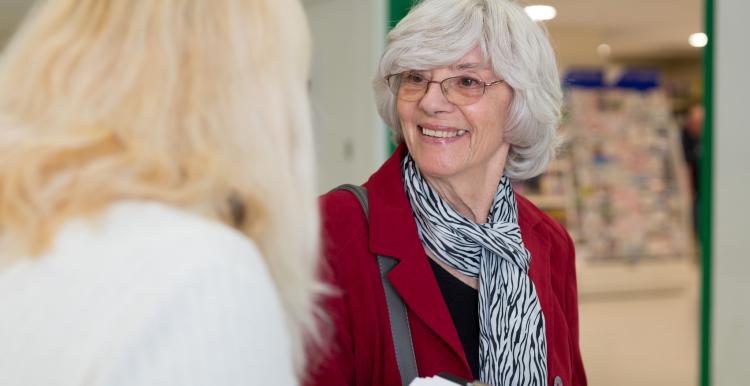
<point x="144" y="295"/>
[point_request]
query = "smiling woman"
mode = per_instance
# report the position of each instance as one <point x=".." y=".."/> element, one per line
<point x="458" y="165"/>
<point x="471" y="91"/>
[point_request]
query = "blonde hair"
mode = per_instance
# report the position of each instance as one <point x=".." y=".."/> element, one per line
<point x="199" y="104"/>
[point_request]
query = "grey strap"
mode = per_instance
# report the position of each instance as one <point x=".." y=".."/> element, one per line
<point x="402" y="343"/>
<point x="361" y="193"/>
<point x="400" y="331"/>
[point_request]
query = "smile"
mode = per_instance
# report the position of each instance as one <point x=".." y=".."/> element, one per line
<point x="441" y="133"/>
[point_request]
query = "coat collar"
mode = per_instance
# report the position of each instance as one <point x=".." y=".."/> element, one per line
<point x="393" y="233"/>
<point x="391" y="217"/>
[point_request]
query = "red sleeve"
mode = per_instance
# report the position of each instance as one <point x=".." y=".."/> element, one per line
<point x="342" y="223"/>
<point x="571" y="312"/>
<point x="333" y="363"/>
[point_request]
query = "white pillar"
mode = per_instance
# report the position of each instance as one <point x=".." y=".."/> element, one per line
<point x="730" y="349"/>
<point x="348" y="37"/>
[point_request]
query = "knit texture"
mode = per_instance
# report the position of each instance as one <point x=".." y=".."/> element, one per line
<point x="143" y="295"/>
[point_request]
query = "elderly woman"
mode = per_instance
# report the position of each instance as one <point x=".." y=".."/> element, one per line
<point x="471" y="91"/>
<point x="151" y="154"/>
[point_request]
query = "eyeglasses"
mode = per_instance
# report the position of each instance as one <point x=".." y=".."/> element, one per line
<point x="462" y="90"/>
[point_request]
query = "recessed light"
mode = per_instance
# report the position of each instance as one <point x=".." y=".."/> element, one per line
<point x="604" y="49"/>
<point x="698" y="39"/>
<point x="541" y="12"/>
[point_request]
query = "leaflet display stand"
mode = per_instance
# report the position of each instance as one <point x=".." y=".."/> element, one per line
<point x="619" y="184"/>
<point x="620" y="188"/>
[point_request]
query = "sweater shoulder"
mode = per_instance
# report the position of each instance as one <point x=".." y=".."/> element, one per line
<point x="138" y="266"/>
<point x="151" y="239"/>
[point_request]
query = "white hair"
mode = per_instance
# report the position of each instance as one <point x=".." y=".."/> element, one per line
<point x="198" y="104"/>
<point x="437" y="33"/>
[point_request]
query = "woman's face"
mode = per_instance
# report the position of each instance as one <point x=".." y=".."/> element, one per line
<point x="449" y="141"/>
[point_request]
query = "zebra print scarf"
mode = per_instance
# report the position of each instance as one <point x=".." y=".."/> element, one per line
<point x="512" y="343"/>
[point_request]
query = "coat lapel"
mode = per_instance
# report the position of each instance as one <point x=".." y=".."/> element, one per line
<point x="538" y="244"/>
<point x="393" y="233"/>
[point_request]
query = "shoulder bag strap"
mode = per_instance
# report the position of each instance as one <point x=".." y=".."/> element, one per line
<point x="400" y="331"/>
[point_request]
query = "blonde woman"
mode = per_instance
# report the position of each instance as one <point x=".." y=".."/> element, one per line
<point x="157" y="212"/>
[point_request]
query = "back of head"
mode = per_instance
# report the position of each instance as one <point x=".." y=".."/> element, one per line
<point x="694" y="120"/>
<point x="198" y="104"/>
<point x="437" y="33"/>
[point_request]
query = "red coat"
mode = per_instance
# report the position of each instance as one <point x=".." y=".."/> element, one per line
<point x="361" y="348"/>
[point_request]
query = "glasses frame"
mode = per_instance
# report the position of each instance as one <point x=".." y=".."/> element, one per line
<point x="442" y="87"/>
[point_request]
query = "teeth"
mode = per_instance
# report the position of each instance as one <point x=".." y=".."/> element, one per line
<point x="442" y="133"/>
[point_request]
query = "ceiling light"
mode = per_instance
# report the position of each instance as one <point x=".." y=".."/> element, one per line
<point x="541" y="12"/>
<point x="604" y="50"/>
<point x="698" y="39"/>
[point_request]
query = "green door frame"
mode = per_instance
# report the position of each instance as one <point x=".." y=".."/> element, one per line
<point x="706" y="196"/>
<point x="397" y="9"/>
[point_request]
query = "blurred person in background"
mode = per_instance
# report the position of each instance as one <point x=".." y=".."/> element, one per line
<point x="692" y="131"/>
<point x="158" y="223"/>
<point x="471" y="91"/>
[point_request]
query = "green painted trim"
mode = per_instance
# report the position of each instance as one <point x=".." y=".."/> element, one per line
<point x="706" y="196"/>
<point x="397" y="9"/>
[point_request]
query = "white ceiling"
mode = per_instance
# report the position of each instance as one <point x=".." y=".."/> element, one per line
<point x="633" y="28"/>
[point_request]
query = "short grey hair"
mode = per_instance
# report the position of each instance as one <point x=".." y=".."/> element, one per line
<point x="437" y="33"/>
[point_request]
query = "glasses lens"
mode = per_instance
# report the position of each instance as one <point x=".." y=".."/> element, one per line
<point x="463" y="90"/>
<point x="412" y="86"/>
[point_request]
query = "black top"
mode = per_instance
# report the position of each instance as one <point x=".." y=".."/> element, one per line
<point x="463" y="304"/>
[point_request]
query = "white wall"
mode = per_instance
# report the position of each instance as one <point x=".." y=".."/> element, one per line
<point x="731" y="248"/>
<point x="11" y="14"/>
<point x="348" y="39"/>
